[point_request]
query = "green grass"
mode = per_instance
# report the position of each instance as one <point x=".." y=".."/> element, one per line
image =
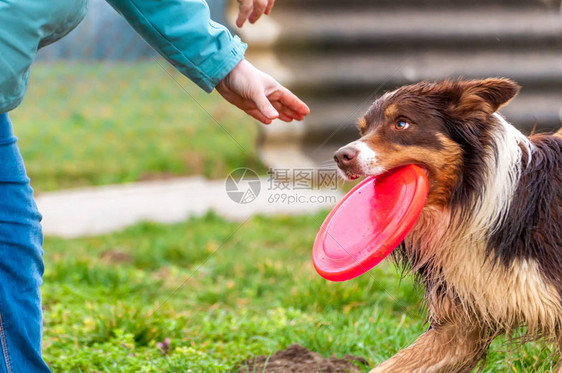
<point x="92" y="124"/>
<point x="222" y="293"/>
<point x="219" y="291"/>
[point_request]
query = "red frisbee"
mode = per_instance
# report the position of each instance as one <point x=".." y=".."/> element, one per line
<point x="369" y="223"/>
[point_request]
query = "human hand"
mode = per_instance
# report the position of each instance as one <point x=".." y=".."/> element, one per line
<point x="253" y="9"/>
<point x="260" y="96"/>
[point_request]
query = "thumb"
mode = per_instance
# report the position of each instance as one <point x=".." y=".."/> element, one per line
<point x="265" y="107"/>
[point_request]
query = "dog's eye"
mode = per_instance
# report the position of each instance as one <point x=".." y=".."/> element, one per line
<point x="401" y="125"/>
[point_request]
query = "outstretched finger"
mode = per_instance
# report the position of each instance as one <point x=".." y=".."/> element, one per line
<point x="259" y="8"/>
<point x="269" y="6"/>
<point x="246" y="7"/>
<point x="284" y="110"/>
<point x="255" y="113"/>
<point x="264" y="106"/>
<point x="285" y="117"/>
<point x="290" y="100"/>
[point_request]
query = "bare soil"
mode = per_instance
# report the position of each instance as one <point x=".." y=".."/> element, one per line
<point x="298" y="359"/>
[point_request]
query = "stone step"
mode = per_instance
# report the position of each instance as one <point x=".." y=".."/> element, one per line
<point x="359" y="73"/>
<point x="411" y="29"/>
<point x="332" y="121"/>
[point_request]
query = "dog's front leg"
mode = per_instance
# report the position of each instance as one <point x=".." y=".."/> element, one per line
<point x="442" y="348"/>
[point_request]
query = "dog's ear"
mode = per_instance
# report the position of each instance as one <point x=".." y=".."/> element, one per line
<point x="484" y="96"/>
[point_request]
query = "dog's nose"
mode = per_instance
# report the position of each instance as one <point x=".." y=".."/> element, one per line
<point x="345" y="156"/>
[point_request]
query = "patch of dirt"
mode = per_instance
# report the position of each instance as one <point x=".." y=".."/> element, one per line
<point x="157" y="176"/>
<point x="298" y="359"/>
<point x="116" y="256"/>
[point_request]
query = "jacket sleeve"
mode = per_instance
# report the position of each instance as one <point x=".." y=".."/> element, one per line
<point x="183" y="33"/>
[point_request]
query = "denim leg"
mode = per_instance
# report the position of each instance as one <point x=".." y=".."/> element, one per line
<point x="21" y="263"/>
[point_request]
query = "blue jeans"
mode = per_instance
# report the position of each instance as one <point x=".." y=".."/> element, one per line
<point x="21" y="262"/>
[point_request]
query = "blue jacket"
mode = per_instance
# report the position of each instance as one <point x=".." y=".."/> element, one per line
<point x="180" y="30"/>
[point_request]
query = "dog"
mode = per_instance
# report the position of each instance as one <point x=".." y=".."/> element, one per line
<point x="487" y="246"/>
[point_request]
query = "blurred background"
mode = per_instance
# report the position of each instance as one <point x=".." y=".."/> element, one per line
<point x="103" y="109"/>
<point x="337" y="56"/>
<point x="340" y="55"/>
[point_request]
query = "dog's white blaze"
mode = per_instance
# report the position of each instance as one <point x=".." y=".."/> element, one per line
<point x="367" y="159"/>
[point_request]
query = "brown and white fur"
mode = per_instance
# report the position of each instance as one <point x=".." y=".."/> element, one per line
<point x="488" y="245"/>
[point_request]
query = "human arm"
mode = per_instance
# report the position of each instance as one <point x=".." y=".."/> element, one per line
<point x="206" y="52"/>
<point x="183" y="33"/>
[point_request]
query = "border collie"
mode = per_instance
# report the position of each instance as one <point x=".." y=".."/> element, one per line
<point x="488" y="245"/>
